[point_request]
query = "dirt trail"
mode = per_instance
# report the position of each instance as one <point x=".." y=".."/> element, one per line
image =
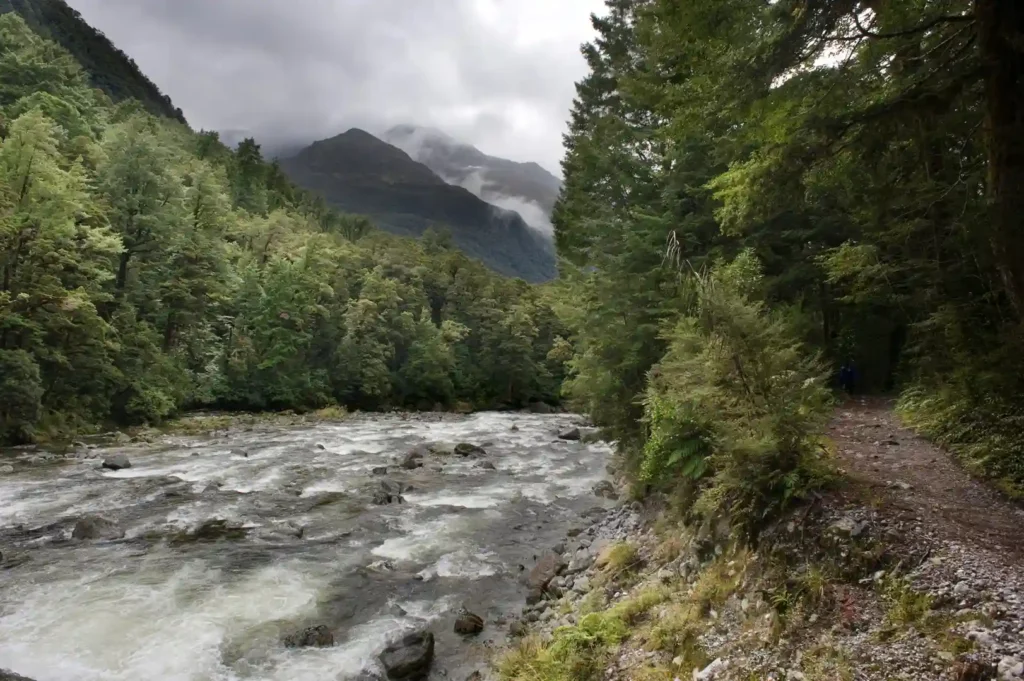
<point x="919" y="481"/>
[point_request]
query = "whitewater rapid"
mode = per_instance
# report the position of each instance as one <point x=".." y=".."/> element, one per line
<point x="316" y="550"/>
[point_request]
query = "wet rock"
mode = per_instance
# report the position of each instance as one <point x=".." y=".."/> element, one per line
<point x="6" y="469"/>
<point x="605" y="489"/>
<point x="409" y="658"/>
<point x="467" y="449"/>
<point x="395" y="610"/>
<point x="514" y="428"/>
<point x="320" y="446"/>
<point x="468" y="624"/>
<point x="382" y="498"/>
<point x="570" y="434"/>
<point x="547" y="568"/>
<point x="116" y="462"/>
<point x="326" y="499"/>
<point x="379" y="470"/>
<point x="96" y="527"/>
<point x="240" y="452"/>
<point x="216" y="529"/>
<point x="412" y="460"/>
<point x="487" y="466"/>
<point x="517" y="629"/>
<point x="310" y="637"/>
<point x="121" y="439"/>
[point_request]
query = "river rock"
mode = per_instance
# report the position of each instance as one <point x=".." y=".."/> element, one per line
<point x="467" y="449"/>
<point x="409" y="658"/>
<point x="6" y="469"/>
<point x="605" y="489"/>
<point x="116" y="462"/>
<point x="547" y="568"/>
<point x="96" y="527"/>
<point x="486" y="465"/>
<point x="412" y="460"/>
<point x="570" y="434"/>
<point x="310" y="637"/>
<point x="379" y="470"/>
<point x="469" y="624"/>
<point x="212" y="530"/>
<point x="518" y="629"/>
<point x="240" y="452"/>
<point x="321" y="446"/>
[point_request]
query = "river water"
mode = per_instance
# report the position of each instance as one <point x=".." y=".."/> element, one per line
<point x="157" y="605"/>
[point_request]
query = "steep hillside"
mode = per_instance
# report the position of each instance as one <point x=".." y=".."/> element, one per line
<point x="109" y="68"/>
<point x="358" y="173"/>
<point x="525" y="187"/>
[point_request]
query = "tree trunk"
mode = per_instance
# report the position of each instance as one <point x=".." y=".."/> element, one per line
<point x="1001" y="40"/>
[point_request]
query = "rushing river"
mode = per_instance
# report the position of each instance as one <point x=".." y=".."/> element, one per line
<point x="312" y="547"/>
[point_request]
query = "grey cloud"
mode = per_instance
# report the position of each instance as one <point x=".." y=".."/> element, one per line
<point x="498" y="74"/>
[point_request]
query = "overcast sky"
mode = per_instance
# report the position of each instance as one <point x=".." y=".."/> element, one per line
<point x="495" y="73"/>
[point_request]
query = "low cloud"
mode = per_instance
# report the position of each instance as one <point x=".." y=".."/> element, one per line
<point x="498" y="74"/>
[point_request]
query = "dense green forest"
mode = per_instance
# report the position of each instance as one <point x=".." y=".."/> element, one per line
<point x="759" y="192"/>
<point x="108" y="68"/>
<point x="146" y="269"/>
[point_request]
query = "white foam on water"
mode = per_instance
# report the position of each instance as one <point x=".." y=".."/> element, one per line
<point x="466" y="564"/>
<point x="143" y="625"/>
<point x="421" y="539"/>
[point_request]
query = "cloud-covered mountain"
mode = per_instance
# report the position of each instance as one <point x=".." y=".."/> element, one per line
<point x="525" y="188"/>
<point x="359" y="173"/>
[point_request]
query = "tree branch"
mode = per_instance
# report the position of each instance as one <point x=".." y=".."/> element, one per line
<point x="910" y="31"/>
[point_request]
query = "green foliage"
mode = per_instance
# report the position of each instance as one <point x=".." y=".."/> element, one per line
<point x="735" y="405"/>
<point x="575" y="653"/>
<point x="853" y="154"/>
<point x="146" y="269"/>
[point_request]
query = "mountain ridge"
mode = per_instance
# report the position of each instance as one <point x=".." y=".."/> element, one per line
<point x="109" y="69"/>
<point x="358" y="172"/>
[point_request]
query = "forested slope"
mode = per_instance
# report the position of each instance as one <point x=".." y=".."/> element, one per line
<point x="863" y="160"/>
<point x="109" y="68"/>
<point x="145" y="268"/>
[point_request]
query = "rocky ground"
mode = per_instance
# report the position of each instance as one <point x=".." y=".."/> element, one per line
<point x="911" y="570"/>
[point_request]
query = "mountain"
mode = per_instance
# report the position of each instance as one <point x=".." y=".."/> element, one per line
<point x="109" y="69"/>
<point x="359" y="173"/>
<point x="524" y="187"/>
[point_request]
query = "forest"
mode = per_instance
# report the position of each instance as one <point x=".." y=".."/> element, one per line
<point x="146" y="269"/>
<point x="757" y="194"/>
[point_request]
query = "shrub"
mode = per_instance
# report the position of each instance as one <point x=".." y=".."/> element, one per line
<point x="735" y="408"/>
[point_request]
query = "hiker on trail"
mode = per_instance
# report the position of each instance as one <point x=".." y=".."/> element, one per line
<point x="848" y="376"/>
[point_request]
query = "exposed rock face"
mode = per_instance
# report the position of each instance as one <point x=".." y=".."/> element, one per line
<point x="96" y="527"/>
<point x="469" y="624"/>
<point x="570" y="434"/>
<point x="409" y="658"/>
<point x="116" y="462"/>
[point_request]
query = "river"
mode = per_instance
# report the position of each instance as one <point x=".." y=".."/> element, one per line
<point x="310" y="547"/>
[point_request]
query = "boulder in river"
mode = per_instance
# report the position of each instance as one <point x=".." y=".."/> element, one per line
<point x="214" y="530"/>
<point x="605" y="489"/>
<point x="547" y="568"/>
<point x="409" y="658"/>
<point x="6" y="469"/>
<point x="569" y="434"/>
<point x="310" y="637"/>
<point x="96" y="527"/>
<point x="467" y="449"/>
<point x="486" y="465"/>
<point x="412" y="460"/>
<point x="468" y="624"/>
<point x="116" y="462"/>
<point x="379" y="470"/>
